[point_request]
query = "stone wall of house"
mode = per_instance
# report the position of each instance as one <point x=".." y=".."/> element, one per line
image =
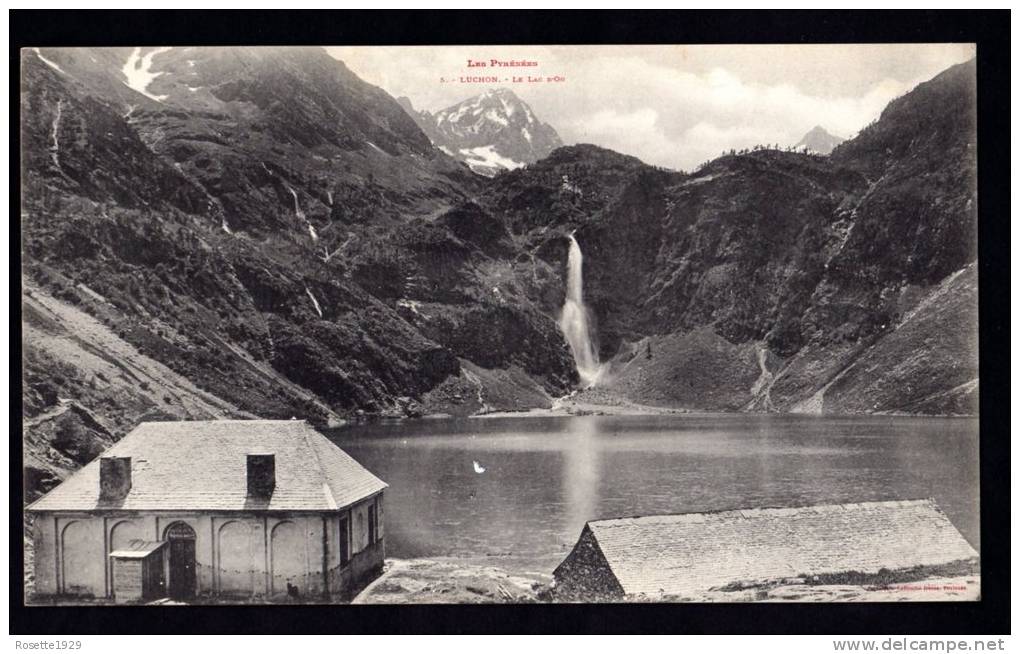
<point x="366" y="558"/>
<point x="584" y="575"/>
<point x="362" y="568"/>
<point x="238" y="555"/>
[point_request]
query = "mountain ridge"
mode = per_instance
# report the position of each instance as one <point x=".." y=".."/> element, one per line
<point x="790" y="253"/>
<point x="274" y="243"/>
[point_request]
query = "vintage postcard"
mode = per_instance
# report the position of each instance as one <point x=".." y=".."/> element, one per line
<point x="500" y="324"/>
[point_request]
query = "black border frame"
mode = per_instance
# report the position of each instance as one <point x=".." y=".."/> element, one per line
<point x="988" y="28"/>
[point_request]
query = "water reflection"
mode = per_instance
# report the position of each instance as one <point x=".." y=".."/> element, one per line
<point x="581" y="460"/>
<point x="545" y="477"/>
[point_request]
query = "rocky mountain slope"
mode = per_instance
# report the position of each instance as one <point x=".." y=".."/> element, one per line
<point x="491" y="132"/>
<point x="268" y="228"/>
<point x="819" y="141"/>
<point x="252" y="231"/>
<point x="775" y="280"/>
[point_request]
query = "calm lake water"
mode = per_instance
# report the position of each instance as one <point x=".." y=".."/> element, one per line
<point x="544" y="477"/>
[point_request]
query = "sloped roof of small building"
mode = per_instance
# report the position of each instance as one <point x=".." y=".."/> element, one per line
<point x="202" y="466"/>
<point x="138" y="549"/>
<point x="679" y="554"/>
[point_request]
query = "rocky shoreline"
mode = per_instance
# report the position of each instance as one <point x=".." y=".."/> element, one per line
<point x="445" y="581"/>
<point x="450" y="581"/>
<point x="604" y="402"/>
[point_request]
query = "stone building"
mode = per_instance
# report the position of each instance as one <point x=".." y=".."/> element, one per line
<point x="686" y="554"/>
<point x="237" y="508"/>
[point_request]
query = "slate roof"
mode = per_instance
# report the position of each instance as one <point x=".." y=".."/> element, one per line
<point x="202" y="466"/>
<point x="680" y="554"/>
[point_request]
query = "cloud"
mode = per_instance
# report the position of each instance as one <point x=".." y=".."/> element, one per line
<point x="679" y="119"/>
<point x="627" y="132"/>
<point x="677" y="106"/>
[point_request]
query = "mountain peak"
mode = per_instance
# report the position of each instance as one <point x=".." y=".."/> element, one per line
<point x="405" y="102"/>
<point x="490" y="132"/>
<point x="819" y="140"/>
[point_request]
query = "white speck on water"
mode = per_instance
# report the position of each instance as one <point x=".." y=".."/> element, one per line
<point x="478" y="467"/>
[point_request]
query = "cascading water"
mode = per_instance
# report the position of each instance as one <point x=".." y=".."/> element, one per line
<point x="574" y="320"/>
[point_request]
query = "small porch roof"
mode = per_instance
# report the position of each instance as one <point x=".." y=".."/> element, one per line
<point x="138" y="549"/>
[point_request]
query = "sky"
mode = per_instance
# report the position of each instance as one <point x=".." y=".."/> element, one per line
<point x="670" y="105"/>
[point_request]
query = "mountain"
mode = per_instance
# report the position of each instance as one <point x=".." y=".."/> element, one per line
<point x="264" y="128"/>
<point x="778" y="280"/>
<point x="490" y="132"/>
<point x="819" y="141"/>
<point x="257" y="232"/>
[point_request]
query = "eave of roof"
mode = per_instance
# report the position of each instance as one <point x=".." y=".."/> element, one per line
<point x="200" y="467"/>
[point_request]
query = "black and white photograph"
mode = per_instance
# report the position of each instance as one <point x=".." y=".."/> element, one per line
<point x="499" y="324"/>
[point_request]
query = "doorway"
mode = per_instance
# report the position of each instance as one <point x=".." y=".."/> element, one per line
<point x="182" y="560"/>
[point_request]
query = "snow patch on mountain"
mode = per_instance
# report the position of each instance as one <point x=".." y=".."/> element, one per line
<point x="490" y="132"/>
<point x="51" y="64"/>
<point x="138" y="71"/>
<point x="496" y="117"/>
<point x="487" y="157"/>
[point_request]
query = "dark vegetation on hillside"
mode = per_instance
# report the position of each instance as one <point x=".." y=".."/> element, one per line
<point x="277" y="238"/>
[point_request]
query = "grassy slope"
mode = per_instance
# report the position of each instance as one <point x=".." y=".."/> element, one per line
<point x="926" y="365"/>
<point x="699" y="370"/>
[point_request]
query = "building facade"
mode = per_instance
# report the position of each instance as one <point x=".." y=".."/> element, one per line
<point x="244" y="509"/>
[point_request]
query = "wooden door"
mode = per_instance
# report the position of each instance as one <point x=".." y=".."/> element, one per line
<point x="182" y="560"/>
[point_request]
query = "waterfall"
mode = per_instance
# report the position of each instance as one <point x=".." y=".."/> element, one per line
<point x="574" y="319"/>
<point x="315" y="302"/>
<point x="300" y="214"/>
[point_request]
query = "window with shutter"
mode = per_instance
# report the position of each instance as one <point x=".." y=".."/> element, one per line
<point x="372" y="520"/>
<point x="345" y="541"/>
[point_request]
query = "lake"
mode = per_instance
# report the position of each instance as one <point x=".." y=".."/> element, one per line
<point x="545" y="476"/>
